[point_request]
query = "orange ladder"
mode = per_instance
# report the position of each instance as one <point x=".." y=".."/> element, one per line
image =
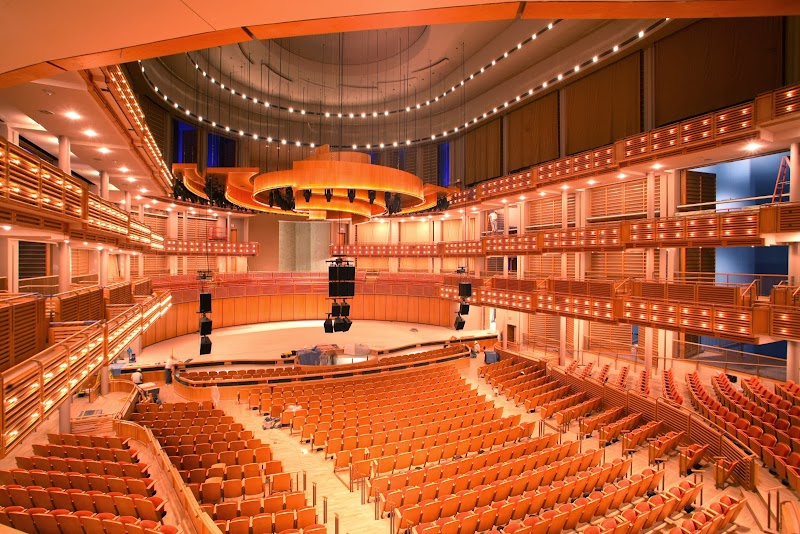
<point x="783" y="180"/>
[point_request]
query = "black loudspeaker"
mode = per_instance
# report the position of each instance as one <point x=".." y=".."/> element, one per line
<point x="732" y="378"/>
<point x="205" y="326"/>
<point x="341" y="281"/>
<point x="459" y="324"/>
<point x="205" y="345"/>
<point x="464" y="289"/>
<point x="336" y="309"/>
<point x="345" y="309"/>
<point x="328" y="325"/>
<point x="205" y="302"/>
<point x="463" y="309"/>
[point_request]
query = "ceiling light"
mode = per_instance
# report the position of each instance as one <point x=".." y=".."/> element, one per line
<point x="560" y="76"/>
<point x="657" y="166"/>
<point x="641" y="34"/>
<point x="550" y="26"/>
<point x="544" y="85"/>
<point x="592" y="182"/>
<point x="6" y="227"/>
<point x="72" y="115"/>
<point x="143" y="190"/>
<point x="752" y="147"/>
<point x="522" y="197"/>
<point x="622" y="175"/>
<point x="123" y="169"/>
<point x="542" y="193"/>
<point x="504" y="201"/>
<point x="131" y="179"/>
<point x="138" y="197"/>
<point x="577" y="68"/>
<point x="565" y="186"/>
<point x="90" y="133"/>
<point x="103" y="150"/>
<point x="594" y="59"/>
<point x="615" y="48"/>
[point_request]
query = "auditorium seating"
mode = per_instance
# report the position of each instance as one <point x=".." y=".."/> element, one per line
<point x="41" y="521"/>
<point x="220" y="376"/>
<point x="590" y="424"/>
<point x="639" y="436"/>
<point x="567" y="415"/>
<point x="68" y="480"/>
<point x="586" y="372"/>
<point x="612" y="431"/>
<point x="622" y="379"/>
<point x="603" y="375"/>
<point x="661" y="446"/>
<point x="149" y="508"/>
<point x="643" y="383"/>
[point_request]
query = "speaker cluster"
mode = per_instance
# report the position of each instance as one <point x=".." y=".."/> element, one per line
<point x="341" y="285"/>
<point x="464" y="292"/>
<point x="205" y="323"/>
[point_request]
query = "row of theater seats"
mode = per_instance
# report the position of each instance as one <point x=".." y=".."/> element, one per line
<point x="475" y="473"/>
<point x="670" y="387"/>
<point x="42" y="521"/>
<point x="236" y="482"/>
<point x="549" y="409"/>
<point x="378" y="460"/>
<point x="789" y="391"/>
<point x="643" y="383"/>
<point x="773" y="403"/>
<point x="589" y="424"/>
<point x="613" y="430"/>
<point x="554" y="507"/>
<point x="586" y="372"/>
<point x="410" y="359"/>
<point x="333" y="400"/>
<point x="80" y="484"/>
<point x="765" y="435"/>
<point x="640" y="435"/>
<point x="430" y="477"/>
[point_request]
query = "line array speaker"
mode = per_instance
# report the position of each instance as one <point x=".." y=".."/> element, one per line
<point x="205" y="302"/>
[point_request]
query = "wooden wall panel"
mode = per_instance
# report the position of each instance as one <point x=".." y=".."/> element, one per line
<point x="412" y="307"/>
<point x="252" y="310"/>
<point x="240" y="311"/>
<point x="425" y="309"/>
<point x="483" y="153"/>
<point x="380" y="307"/>
<point x="228" y="312"/>
<point x="287" y="307"/>
<point x="605" y="105"/>
<point x="275" y="312"/>
<point x="263" y="308"/>
<point x="181" y="319"/>
<point x="533" y="133"/>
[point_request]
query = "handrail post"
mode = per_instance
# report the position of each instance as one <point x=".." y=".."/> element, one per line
<point x="325" y="509"/>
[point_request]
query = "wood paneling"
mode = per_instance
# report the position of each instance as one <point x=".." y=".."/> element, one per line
<point x="604" y="106"/>
<point x="716" y="63"/>
<point x="181" y="318"/>
<point x="533" y="133"/>
<point x="483" y="153"/>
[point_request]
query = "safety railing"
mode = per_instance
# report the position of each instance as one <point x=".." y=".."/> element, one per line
<point x="83" y="304"/>
<point x="44" y="285"/>
<point x="32" y="390"/>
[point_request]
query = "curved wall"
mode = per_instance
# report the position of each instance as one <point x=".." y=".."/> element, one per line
<point x="183" y="319"/>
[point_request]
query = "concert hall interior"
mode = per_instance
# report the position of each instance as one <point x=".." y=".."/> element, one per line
<point x="420" y="267"/>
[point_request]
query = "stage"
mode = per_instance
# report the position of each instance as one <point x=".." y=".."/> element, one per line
<point x="269" y="340"/>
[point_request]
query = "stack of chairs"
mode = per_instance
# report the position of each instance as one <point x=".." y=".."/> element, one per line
<point x="603" y="373"/>
<point x="670" y="388"/>
<point x="622" y="378"/>
<point x="586" y="372"/>
<point x="643" y="383"/>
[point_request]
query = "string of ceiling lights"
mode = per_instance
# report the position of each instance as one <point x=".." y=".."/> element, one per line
<point x="564" y="75"/>
<point x="374" y="113"/>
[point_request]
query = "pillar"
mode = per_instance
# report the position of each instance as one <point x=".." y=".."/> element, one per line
<point x="64" y="162"/>
<point x="9" y="133"/>
<point x="64" y="419"/>
<point x="104" y="185"/>
<point x="103" y="267"/>
<point x="793" y="347"/>
<point x="436" y="237"/>
<point x="104" y="371"/>
<point x="394" y="238"/>
<point x="172" y="233"/>
<point x="562" y="326"/>
<point x="581" y="325"/>
<point x="64" y="266"/>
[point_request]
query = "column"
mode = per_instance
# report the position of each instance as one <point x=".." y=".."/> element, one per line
<point x="394" y="238"/>
<point x="9" y="133"/>
<point x="562" y="326"/>
<point x="438" y="230"/>
<point x="506" y="223"/>
<point x="480" y="227"/>
<point x="64" y="266"/>
<point x="650" y="255"/>
<point x="793" y="347"/>
<point x="64" y="419"/>
<point x="104" y="185"/>
<point x="581" y="325"/>
<point x="63" y="154"/>
<point x="102" y="267"/>
<point x="172" y="233"/>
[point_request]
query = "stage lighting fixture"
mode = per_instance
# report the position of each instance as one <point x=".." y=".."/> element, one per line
<point x="307" y="194"/>
<point x="459" y="324"/>
<point x="328" y="325"/>
<point x="371" y="196"/>
<point x="336" y="309"/>
<point x="463" y="308"/>
<point x="328" y="194"/>
<point x="351" y="195"/>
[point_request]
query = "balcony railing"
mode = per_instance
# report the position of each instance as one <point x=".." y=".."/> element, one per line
<point x="34" y="389"/>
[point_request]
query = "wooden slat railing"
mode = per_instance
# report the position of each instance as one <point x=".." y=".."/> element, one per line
<point x="32" y="390"/>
